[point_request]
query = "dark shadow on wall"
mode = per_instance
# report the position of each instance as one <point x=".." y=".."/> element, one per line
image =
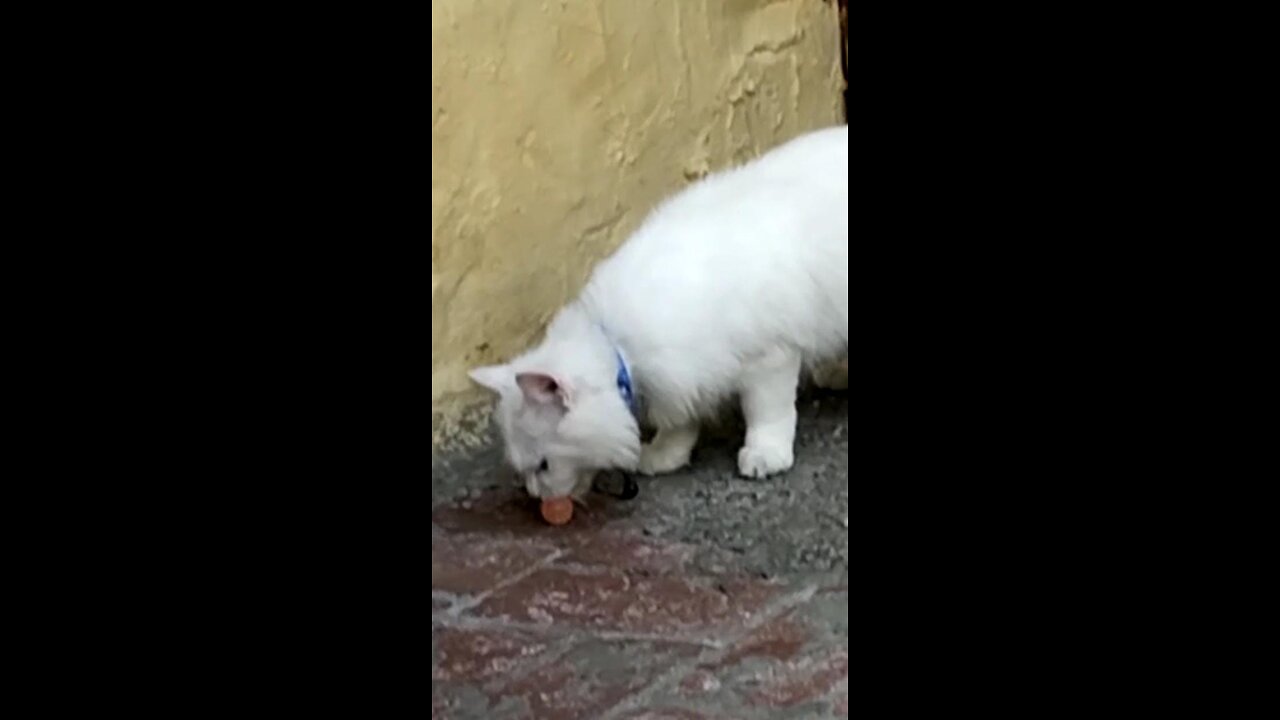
<point x="844" y="52"/>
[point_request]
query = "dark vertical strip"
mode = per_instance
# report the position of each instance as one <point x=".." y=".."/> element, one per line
<point x="844" y="52"/>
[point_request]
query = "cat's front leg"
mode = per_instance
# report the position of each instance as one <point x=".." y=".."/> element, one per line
<point x="769" y="405"/>
<point x="669" y="450"/>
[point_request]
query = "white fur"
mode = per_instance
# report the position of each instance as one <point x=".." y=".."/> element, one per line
<point x="726" y="289"/>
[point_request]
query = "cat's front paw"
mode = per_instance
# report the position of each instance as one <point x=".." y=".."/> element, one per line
<point x="658" y="459"/>
<point x="760" y="461"/>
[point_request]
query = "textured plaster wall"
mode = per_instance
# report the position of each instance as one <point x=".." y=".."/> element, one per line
<point x="557" y="124"/>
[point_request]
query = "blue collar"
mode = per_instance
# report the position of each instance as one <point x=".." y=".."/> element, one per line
<point x="625" y="387"/>
<point x="624" y="381"/>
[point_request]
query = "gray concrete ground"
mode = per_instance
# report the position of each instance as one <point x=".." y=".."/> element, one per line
<point x="707" y="596"/>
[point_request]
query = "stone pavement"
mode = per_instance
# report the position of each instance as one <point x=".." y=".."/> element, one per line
<point x="707" y="596"/>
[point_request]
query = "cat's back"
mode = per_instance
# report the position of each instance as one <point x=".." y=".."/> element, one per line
<point x="801" y="173"/>
<point x="795" y="194"/>
<point x="762" y="244"/>
<point x="825" y="150"/>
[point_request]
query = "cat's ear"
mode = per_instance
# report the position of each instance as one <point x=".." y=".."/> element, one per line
<point x="495" y="377"/>
<point x="542" y="390"/>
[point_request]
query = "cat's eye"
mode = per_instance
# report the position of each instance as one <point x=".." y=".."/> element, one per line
<point x="543" y="467"/>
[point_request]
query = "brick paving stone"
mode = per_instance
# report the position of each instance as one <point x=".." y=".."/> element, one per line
<point x="699" y="682"/>
<point x="460" y="701"/>
<point x="469" y="565"/>
<point x="793" y="662"/>
<point x="628" y="553"/>
<point x="617" y="602"/>
<point x="478" y="655"/>
<point x="591" y="678"/>
<point x="667" y="714"/>
<point x="513" y="514"/>
<point x="493" y="513"/>
<point x="808" y="679"/>
<point x="779" y="639"/>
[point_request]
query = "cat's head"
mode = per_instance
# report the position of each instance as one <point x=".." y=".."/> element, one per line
<point x="560" y="431"/>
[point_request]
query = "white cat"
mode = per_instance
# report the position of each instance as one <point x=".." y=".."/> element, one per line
<point x="727" y="289"/>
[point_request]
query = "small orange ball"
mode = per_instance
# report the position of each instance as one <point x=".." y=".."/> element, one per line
<point x="557" y="511"/>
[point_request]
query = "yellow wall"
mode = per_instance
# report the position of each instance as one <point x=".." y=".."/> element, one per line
<point x="557" y="124"/>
